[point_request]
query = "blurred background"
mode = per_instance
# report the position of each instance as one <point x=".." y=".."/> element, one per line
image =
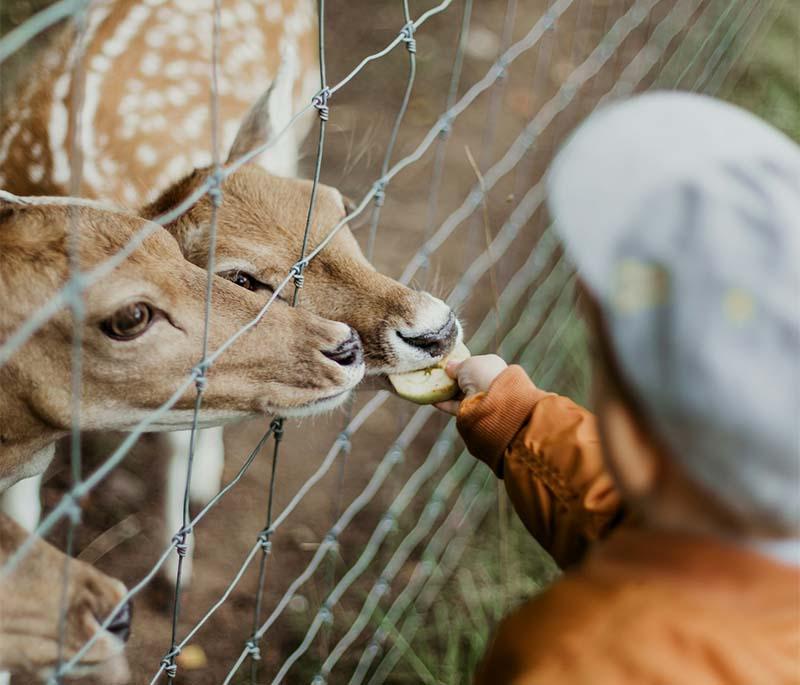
<point x="464" y="558"/>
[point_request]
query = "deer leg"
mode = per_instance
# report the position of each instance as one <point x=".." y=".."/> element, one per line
<point x="178" y="462"/>
<point x="23" y="504"/>
<point x="209" y="461"/>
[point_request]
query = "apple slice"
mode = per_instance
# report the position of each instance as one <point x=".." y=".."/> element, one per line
<point x="430" y="385"/>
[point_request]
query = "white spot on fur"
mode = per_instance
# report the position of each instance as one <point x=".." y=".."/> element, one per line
<point x="176" y="167"/>
<point x="176" y="96"/>
<point x="273" y="11"/>
<point x="147" y="154"/>
<point x="176" y="70"/>
<point x="126" y="31"/>
<point x="155" y="38"/>
<point x="194" y="123"/>
<point x="109" y="166"/>
<point x="185" y="43"/>
<point x="152" y="100"/>
<point x="57" y="129"/>
<point x="100" y="63"/>
<point x="151" y="63"/>
<point x="91" y="102"/>
<point x="129" y="194"/>
<point x="246" y="13"/>
<point x="8" y="138"/>
<point x="36" y="172"/>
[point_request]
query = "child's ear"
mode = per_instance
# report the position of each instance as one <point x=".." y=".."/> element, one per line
<point x="632" y="455"/>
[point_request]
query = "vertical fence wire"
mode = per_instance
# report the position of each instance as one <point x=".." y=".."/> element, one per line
<point x="320" y="102"/>
<point x="380" y="194"/>
<point x="169" y="661"/>
<point x="77" y="307"/>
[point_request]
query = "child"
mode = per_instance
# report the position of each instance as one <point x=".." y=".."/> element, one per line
<point x="676" y="512"/>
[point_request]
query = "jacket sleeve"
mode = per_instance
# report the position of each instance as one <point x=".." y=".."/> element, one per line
<point x="547" y="450"/>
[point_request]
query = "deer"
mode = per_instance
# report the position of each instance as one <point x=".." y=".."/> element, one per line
<point x="130" y="60"/>
<point x="141" y="333"/>
<point x="31" y="604"/>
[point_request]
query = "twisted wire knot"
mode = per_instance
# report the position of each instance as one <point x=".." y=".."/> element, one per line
<point x="320" y="102"/>
<point x="264" y="540"/>
<point x="215" y="189"/>
<point x="276" y="426"/>
<point x="326" y="613"/>
<point x="297" y="273"/>
<point x="200" y="380"/>
<point x="73" y="509"/>
<point x="380" y="193"/>
<point x="181" y="545"/>
<point x="168" y="662"/>
<point x="408" y="37"/>
<point x="345" y="442"/>
<point x="253" y="649"/>
<point x="502" y="64"/>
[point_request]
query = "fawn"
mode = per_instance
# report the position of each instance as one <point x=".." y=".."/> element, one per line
<point x="141" y="335"/>
<point x="145" y="129"/>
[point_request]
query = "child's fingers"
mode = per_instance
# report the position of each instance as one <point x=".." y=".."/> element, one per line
<point x="452" y="369"/>
<point x="449" y="407"/>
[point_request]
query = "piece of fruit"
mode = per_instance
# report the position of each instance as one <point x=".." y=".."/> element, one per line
<point x="192" y="658"/>
<point x="430" y="385"/>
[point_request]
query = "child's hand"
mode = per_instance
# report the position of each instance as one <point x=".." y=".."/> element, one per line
<point x="474" y="375"/>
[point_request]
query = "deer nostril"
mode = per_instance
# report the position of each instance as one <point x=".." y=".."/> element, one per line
<point x="435" y="343"/>
<point x="349" y="353"/>
<point x="120" y="625"/>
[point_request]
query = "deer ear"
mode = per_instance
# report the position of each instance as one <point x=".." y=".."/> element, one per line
<point x="350" y="204"/>
<point x="270" y="113"/>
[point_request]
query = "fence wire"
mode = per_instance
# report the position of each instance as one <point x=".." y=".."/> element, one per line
<point x="693" y="44"/>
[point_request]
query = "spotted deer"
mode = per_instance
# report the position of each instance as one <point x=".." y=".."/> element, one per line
<point x="146" y="128"/>
<point x="141" y="335"/>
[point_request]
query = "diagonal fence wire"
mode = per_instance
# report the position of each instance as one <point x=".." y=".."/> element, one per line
<point x="447" y="544"/>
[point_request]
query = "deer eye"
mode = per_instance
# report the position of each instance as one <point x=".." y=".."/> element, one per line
<point x="244" y="280"/>
<point x="129" y="322"/>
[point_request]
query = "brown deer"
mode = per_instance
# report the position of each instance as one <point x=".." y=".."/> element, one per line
<point x="141" y="336"/>
<point x="31" y="604"/>
<point x="145" y="133"/>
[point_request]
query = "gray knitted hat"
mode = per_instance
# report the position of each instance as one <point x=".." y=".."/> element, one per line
<point x="682" y="215"/>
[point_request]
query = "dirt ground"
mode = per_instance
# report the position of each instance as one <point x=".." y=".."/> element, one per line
<point x="126" y="509"/>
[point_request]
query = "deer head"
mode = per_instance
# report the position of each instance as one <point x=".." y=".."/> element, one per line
<point x="142" y="334"/>
<point x="259" y="237"/>
<point x="31" y="604"/>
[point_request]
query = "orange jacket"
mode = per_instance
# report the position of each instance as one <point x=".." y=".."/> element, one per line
<point x="640" y="607"/>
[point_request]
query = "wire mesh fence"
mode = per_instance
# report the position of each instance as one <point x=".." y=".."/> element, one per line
<point x="423" y="498"/>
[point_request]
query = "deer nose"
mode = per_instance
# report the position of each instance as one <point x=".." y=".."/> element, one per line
<point x="120" y="625"/>
<point x="348" y="353"/>
<point x="435" y="343"/>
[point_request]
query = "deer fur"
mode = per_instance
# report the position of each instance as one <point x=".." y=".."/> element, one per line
<point x="279" y="366"/>
<point x="263" y="213"/>
<point x="31" y="603"/>
<point x="288" y="365"/>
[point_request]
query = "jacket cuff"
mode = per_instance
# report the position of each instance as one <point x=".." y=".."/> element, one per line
<point x="489" y="421"/>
